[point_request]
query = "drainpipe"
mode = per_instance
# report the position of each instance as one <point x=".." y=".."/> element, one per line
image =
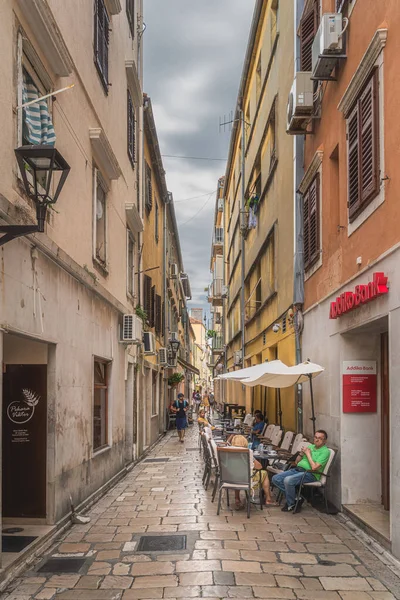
<point x="298" y="283"/>
<point x="242" y="244"/>
<point x="164" y="267"/>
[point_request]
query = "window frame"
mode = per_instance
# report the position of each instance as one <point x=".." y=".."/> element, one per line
<point x="311" y="258"/>
<point x="102" y="66"/>
<point x="130" y="15"/>
<point x="98" y="180"/>
<point x="154" y="393"/>
<point x="355" y="145"/>
<point x="131" y="129"/>
<point x="106" y="387"/>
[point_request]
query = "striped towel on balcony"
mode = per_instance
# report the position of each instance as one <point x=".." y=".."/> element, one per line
<point x="37" y="124"/>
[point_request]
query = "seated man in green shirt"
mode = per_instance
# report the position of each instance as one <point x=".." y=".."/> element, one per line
<point x="313" y="459"/>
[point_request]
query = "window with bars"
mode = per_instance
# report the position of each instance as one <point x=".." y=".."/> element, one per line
<point x="363" y="148"/>
<point x="149" y="189"/>
<point x="311" y="229"/>
<point x="131" y="124"/>
<point x="100" y="403"/>
<point x="101" y="41"/>
<point x="130" y="14"/>
<point x="308" y="28"/>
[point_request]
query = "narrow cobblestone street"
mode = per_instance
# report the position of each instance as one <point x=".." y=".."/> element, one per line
<point x="271" y="555"/>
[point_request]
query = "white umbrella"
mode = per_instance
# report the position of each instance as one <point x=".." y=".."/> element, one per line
<point x="276" y="374"/>
<point x="250" y="372"/>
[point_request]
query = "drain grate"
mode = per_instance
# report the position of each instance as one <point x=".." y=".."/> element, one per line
<point x="16" y="543"/>
<point x="156" y="460"/>
<point x="192" y="449"/>
<point x="162" y="543"/>
<point x="13" y="530"/>
<point x="62" y="565"/>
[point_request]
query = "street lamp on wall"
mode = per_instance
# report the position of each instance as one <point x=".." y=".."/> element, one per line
<point x="174" y="344"/>
<point x="38" y="164"/>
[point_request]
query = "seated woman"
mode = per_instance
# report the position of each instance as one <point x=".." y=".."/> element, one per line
<point x="259" y="476"/>
<point x="203" y="421"/>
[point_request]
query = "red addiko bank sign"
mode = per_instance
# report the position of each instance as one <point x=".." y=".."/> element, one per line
<point x="362" y="294"/>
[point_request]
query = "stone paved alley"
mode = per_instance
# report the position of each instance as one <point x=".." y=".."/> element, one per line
<point x="272" y="555"/>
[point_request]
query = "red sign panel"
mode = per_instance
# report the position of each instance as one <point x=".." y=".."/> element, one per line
<point x="361" y="295"/>
<point x="359" y="386"/>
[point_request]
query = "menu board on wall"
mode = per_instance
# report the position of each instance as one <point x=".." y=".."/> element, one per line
<point x="359" y="386"/>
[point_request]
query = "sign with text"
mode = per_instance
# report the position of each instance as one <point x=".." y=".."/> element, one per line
<point x="359" y="386"/>
<point x="362" y="294"/>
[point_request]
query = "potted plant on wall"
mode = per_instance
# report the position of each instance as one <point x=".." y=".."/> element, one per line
<point x="175" y="379"/>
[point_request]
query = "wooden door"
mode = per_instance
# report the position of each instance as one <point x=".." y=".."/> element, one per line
<point x="24" y="441"/>
<point x="385" y="421"/>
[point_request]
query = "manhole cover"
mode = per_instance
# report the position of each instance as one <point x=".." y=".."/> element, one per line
<point x="13" y="530"/>
<point x="156" y="460"/>
<point x="16" y="543"/>
<point x="162" y="543"/>
<point x="62" y="565"/>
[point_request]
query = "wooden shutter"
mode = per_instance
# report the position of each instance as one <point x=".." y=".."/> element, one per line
<point x="131" y="130"/>
<point x="308" y="29"/>
<point x="369" y="120"/>
<point x="363" y="148"/>
<point x="147" y="297"/>
<point x="130" y="13"/>
<point x="149" y="189"/>
<point x="152" y="306"/>
<point x="353" y="161"/>
<point x="311" y="234"/>
<point x="158" y="317"/>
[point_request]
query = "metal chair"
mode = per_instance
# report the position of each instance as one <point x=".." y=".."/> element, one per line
<point x="214" y="454"/>
<point x="320" y="484"/>
<point x="235" y="473"/>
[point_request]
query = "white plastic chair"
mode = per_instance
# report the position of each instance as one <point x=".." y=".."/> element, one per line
<point x="278" y="466"/>
<point x="276" y="436"/>
<point x="235" y="473"/>
<point x="287" y="440"/>
<point x="269" y="430"/>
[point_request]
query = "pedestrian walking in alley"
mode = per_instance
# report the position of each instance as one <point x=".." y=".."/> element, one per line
<point x="181" y="407"/>
<point x="314" y="458"/>
<point x="197" y="400"/>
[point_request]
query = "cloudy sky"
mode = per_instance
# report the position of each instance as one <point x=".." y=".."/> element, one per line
<point x="193" y="53"/>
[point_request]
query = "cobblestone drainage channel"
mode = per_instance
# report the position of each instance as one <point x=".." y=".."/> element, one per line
<point x="62" y="565"/>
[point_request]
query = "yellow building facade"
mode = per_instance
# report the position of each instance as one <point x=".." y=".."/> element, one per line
<point x="258" y="216"/>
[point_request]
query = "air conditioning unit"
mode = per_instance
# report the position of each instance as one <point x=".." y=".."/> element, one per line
<point x="220" y="205"/>
<point x="173" y="271"/>
<point x="163" y="356"/>
<point x="225" y="291"/>
<point x="237" y="358"/>
<point x="300" y="103"/>
<point x="149" y="342"/>
<point x="327" y="46"/>
<point x="131" y="329"/>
